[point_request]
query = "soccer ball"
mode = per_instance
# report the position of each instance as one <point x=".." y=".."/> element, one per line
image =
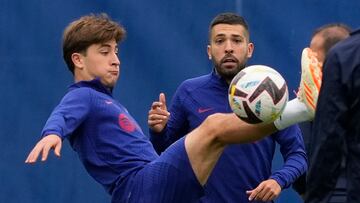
<point x="258" y="94"/>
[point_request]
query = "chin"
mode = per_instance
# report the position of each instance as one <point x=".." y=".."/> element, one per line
<point x="231" y="71"/>
<point x="109" y="84"/>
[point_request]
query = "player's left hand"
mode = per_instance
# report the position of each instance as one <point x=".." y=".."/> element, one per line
<point x="267" y="190"/>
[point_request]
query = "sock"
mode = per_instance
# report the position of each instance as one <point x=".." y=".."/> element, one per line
<point x="294" y="112"/>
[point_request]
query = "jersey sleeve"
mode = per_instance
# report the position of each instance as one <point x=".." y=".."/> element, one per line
<point x="177" y="125"/>
<point x="69" y="114"/>
<point x="294" y="155"/>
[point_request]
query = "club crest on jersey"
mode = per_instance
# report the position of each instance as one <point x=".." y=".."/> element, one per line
<point x="126" y="124"/>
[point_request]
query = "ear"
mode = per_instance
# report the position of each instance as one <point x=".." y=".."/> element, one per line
<point x="209" y="51"/>
<point x="77" y="60"/>
<point x="250" y="49"/>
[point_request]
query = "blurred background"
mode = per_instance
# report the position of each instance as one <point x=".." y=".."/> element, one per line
<point x="166" y="44"/>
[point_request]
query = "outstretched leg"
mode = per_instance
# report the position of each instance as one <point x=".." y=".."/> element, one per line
<point x="206" y="143"/>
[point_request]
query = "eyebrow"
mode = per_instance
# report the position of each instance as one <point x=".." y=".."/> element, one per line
<point x="107" y="45"/>
<point x="232" y="35"/>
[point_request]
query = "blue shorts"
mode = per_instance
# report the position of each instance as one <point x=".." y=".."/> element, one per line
<point x="169" y="178"/>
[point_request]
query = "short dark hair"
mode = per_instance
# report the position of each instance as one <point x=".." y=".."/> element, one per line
<point x="332" y="33"/>
<point x="86" y="31"/>
<point x="230" y="19"/>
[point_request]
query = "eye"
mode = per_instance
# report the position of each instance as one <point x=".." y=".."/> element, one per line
<point x="104" y="52"/>
<point x="219" y="41"/>
<point x="238" y="41"/>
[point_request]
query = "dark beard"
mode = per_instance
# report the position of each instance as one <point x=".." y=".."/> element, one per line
<point x="226" y="74"/>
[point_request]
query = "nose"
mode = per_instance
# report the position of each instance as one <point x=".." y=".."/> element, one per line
<point x="228" y="47"/>
<point x="115" y="60"/>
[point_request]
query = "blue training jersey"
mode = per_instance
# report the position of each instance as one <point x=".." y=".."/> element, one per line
<point x="242" y="166"/>
<point x="107" y="139"/>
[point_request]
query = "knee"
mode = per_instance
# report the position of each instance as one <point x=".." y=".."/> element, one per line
<point x="213" y="124"/>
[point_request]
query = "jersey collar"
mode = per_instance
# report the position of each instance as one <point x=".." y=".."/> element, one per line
<point x="94" y="84"/>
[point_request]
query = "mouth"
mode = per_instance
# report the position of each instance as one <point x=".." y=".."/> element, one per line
<point x="114" y="73"/>
<point x="230" y="60"/>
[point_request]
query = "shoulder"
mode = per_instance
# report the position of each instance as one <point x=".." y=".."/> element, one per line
<point x="79" y="94"/>
<point x="343" y="59"/>
<point x="348" y="46"/>
<point x="81" y="91"/>
<point x="192" y="84"/>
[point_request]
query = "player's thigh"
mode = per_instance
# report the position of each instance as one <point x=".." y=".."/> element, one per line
<point x="169" y="178"/>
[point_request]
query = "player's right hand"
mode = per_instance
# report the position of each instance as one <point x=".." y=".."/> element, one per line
<point x="267" y="190"/>
<point x="43" y="147"/>
<point x="158" y="114"/>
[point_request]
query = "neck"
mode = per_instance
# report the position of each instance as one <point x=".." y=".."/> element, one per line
<point x="228" y="81"/>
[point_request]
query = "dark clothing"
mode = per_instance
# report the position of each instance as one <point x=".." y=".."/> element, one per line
<point x="299" y="184"/>
<point x="336" y="132"/>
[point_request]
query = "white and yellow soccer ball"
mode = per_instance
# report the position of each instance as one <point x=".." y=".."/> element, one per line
<point x="258" y="94"/>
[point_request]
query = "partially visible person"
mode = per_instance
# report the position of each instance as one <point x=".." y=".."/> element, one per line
<point x="326" y="37"/>
<point x="243" y="169"/>
<point x="322" y="40"/>
<point x="335" y="159"/>
<point x="110" y="143"/>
